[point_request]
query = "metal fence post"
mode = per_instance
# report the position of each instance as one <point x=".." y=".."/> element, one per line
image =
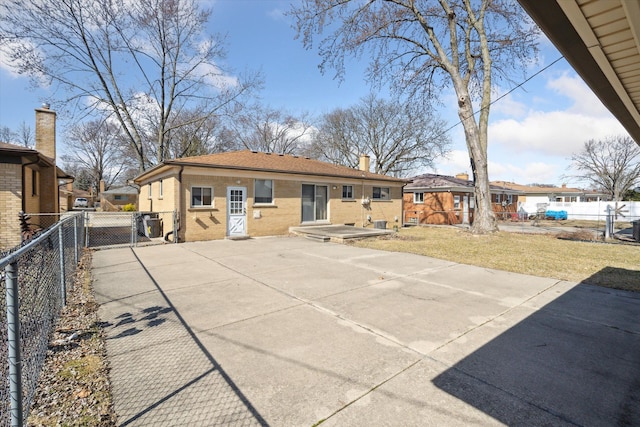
<point x="134" y="229"/>
<point x="13" y="330"/>
<point x="175" y="227"/>
<point x="86" y="229"/>
<point x="63" y="284"/>
<point x="75" y="239"/>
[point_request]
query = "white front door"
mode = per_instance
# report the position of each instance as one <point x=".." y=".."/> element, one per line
<point x="236" y="211"/>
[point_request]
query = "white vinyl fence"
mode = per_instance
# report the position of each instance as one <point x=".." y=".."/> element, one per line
<point x="595" y="211"/>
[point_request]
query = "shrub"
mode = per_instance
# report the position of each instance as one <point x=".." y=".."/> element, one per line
<point x="129" y="207"/>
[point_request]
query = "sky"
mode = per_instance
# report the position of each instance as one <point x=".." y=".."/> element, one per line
<point x="533" y="130"/>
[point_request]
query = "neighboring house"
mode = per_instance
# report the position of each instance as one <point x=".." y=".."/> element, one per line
<point x="29" y="181"/>
<point x="447" y="200"/>
<point x="248" y="193"/>
<point x="115" y="198"/>
<point x="536" y="197"/>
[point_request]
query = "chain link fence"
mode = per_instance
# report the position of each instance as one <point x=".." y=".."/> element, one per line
<point x="112" y="229"/>
<point x="34" y="279"/>
<point x="614" y="224"/>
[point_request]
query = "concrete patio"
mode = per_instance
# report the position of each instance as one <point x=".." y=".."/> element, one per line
<point x="285" y="331"/>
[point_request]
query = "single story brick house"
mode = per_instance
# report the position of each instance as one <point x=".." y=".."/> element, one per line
<point x="113" y="199"/>
<point x="30" y="181"/>
<point x="448" y="200"/>
<point x="248" y="193"/>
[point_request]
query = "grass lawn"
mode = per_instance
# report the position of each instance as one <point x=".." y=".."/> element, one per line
<point x="603" y="264"/>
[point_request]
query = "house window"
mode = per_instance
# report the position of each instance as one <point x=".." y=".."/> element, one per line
<point x="456" y="202"/>
<point x="161" y="190"/>
<point x="149" y="188"/>
<point x="347" y="191"/>
<point x="201" y="197"/>
<point x="510" y="199"/>
<point x="118" y="197"/>
<point x="418" y="197"/>
<point x="381" y="193"/>
<point x="263" y="191"/>
<point x="34" y="182"/>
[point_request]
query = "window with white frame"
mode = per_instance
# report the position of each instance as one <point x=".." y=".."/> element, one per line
<point x="149" y="190"/>
<point x="456" y="202"/>
<point x="263" y="191"/>
<point x="160" y="190"/>
<point x="347" y="191"/>
<point x="381" y="193"/>
<point x="201" y="197"/>
<point x="418" y="197"/>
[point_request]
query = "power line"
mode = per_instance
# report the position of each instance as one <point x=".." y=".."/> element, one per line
<point x="507" y="93"/>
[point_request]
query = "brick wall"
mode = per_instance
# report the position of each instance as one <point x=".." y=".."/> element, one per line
<point x="207" y="223"/>
<point x="11" y="202"/>
<point x="436" y="209"/>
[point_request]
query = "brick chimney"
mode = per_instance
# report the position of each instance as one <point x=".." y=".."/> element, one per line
<point x="463" y="175"/>
<point x="365" y="163"/>
<point x="46" y="131"/>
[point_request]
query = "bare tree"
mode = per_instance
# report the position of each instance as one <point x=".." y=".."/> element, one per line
<point x="270" y="130"/>
<point x="611" y="164"/>
<point x="25" y="135"/>
<point x="195" y="138"/>
<point x="142" y="62"/>
<point x="400" y="137"/>
<point x="424" y="47"/>
<point x="7" y="135"/>
<point x="97" y="153"/>
<point x="22" y="136"/>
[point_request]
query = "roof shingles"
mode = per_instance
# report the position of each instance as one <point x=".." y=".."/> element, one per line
<point x="271" y="162"/>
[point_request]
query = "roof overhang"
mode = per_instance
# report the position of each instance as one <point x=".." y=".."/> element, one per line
<point x="168" y="164"/>
<point x="601" y="40"/>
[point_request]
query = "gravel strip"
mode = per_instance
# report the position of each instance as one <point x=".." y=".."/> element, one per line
<point x="74" y="387"/>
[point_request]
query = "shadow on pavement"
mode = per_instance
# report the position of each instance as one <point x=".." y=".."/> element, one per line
<point x="577" y="359"/>
<point x="170" y="377"/>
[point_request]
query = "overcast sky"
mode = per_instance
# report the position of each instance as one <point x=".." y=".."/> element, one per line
<point x="533" y="131"/>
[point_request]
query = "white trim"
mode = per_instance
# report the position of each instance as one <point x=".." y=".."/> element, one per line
<point x="273" y="192"/>
<point x="203" y="206"/>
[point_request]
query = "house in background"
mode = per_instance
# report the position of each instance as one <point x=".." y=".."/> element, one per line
<point x="248" y="193"/>
<point x="448" y="200"/>
<point x="535" y="197"/>
<point x="30" y="180"/>
<point x="113" y="199"/>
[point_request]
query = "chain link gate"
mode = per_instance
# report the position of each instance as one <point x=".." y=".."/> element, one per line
<point x="117" y="229"/>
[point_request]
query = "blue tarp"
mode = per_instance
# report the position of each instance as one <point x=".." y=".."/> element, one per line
<point x="556" y="214"/>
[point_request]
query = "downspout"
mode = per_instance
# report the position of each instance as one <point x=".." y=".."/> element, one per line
<point x="178" y="210"/>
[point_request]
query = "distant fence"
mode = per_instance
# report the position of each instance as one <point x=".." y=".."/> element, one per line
<point x="108" y="229"/>
<point x="592" y="211"/>
<point x="34" y="280"/>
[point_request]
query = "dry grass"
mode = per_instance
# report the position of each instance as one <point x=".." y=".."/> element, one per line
<point x="610" y="265"/>
<point x="581" y="223"/>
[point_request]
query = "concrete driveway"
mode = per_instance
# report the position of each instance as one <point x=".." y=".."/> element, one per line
<point x="290" y="332"/>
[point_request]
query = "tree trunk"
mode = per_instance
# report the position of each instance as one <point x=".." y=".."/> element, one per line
<point x="484" y="219"/>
